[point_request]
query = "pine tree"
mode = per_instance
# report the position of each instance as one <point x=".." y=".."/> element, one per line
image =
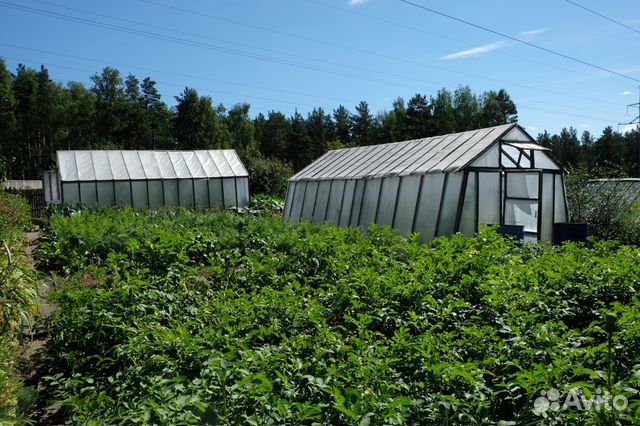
<point x="363" y="125"/>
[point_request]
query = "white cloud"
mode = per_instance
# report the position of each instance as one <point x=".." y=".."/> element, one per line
<point x="532" y="128"/>
<point x="357" y="2"/>
<point x="630" y="127"/>
<point x="476" y="51"/>
<point x="626" y="93"/>
<point x="528" y="35"/>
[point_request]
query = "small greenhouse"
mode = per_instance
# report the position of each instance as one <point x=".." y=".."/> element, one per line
<point x="149" y="179"/>
<point x="436" y="186"/>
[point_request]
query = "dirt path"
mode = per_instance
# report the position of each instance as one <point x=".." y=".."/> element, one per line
<point x="33" y="356"/>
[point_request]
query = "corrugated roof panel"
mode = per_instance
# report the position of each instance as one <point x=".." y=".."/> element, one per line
<point x="442" y="154"/>
<point x="134" y="165"/>
<point x="323" y="163"/>
<point x="101" y="165"/>
<point x="386" y="155"/>
<point x="118" y="168"/>
<point x="431" y="149"/>
<point x="333" y="165"/>
<point x="469" y="155"/>
<point x="84" y="164"/>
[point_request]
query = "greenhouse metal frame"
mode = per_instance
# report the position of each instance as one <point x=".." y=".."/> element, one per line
<point x="149" y="179"/>
<point x="436" y="186"/>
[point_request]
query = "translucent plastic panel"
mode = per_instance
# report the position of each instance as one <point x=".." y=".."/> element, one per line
<point x="202" y="193"/>
<point x="179" y="165"/>
<point x="207" y="163"/>
<point x="165" y="165"/>
<point x="88" y="194"/>
<point x="193" y="164"/>
<point x="229" y="191"/>
<point x="547" y="207"/>
<point x="101" y="165"/>
<point x="288" y="200"/>
<point x="150" y="165"/>
<point x="517" y="135"/>
<point x="522" y="185"/>
<point x="428" y="205"/>
<point x="347" y="202"/>
<point x="543" y="161"/>
<point x="67" y="166"/>
<point x="243" y="191"/>
<point x="522" y="212"/>
<point x="513" y="153"/>
<point x="70" y="193"/>
<point x="335" y="201"/>
<point x="139" y="191"/>
<point x="234" y="162"/>
<point x="370" y="202"/>
<point x="387" y="204"/>
<point x="185" y="193"/>
<point x="123" y="193"/>
<point x="171" y="193"/>
<point x="407" y="199"/>
<point x="155" y="193"/>
<point x="118" y="168"/>
<point x="450" y="203"/>
<point x="215" y="193"/>
<point x="357" y="202"/>
<point x="322" y="200"/>
<point x="85" y="165"/>
<point x="298" y="201"/>
<point x="468" y="217"/>
<point x="221" y="163"/>
<point x="106" y="197"/>
<point x="489" y="158"/>
<point x="309" y="200"/>
<point x="133" y="164"/>
<point x="489" y="198"/>
<point x="560" y="210"/>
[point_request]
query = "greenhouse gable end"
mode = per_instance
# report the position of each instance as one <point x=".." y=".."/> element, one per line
<point x="436" y="186"/>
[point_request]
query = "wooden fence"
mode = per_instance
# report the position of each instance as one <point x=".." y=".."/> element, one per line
<point x="35" y="198"/>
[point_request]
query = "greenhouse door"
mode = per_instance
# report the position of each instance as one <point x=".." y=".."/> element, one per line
<point x="522" y="201"/>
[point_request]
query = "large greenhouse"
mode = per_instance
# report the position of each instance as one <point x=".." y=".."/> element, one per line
<point x="149" y="179"/>
<point x="436" y="186"/>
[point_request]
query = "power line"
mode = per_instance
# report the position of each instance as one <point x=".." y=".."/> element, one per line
<point x="603" y="16"/>
<point x="536" y="46"/>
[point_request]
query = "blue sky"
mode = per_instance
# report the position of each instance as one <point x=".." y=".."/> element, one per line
<point x="298" y="54"/>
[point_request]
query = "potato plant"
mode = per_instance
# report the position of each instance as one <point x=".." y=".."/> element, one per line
<point x="182" y="317"/>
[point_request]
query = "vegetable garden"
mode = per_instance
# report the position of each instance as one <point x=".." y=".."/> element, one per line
<point x="184" y="317"/>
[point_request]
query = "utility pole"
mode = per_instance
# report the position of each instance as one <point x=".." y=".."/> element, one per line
<point x="635" y="121"/>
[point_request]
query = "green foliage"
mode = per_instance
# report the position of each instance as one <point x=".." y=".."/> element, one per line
<point x="267" y="175"/>
<point x="182" y="317"/>
<point x="15" y="216"/>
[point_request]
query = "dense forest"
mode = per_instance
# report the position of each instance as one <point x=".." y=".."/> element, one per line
<point x="39" y="116"/>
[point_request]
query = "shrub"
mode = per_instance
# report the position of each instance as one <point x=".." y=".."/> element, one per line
<point x="268" y="175"/>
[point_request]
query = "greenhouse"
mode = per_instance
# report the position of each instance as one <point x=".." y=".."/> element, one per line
<point x="436" y="186"/>
<point x="148" y="179"/>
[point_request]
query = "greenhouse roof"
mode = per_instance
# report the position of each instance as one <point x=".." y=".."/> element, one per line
<point x="446" y="153"/>
<point x="143" y="165"/>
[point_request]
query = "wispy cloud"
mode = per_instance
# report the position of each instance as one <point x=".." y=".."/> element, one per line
<point x="626" y="93"/>
<point x="528" y="35"/>
<point x="476" y="51"/>
<point x="491" y="47"/>
<point x="357" y="2"/>
<point x="532" y="128"/>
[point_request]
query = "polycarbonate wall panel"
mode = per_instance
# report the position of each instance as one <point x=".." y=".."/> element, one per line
<point x="522" y="184"/>
<point x="547" y="207"/>
<point x="185" y="193"/>
<point x="387" y="204"/>
<point x="370" y="202"/>
<point x="155" y="193"/>
<point x="491" y="158"/>
<point x="215" y="193"/>
<point x="449" y="208"/>
<point x="309" y="200"/>
<point x="243" y="191"/>
<point x="322" y="198"/>
<point x="171" y="193"/>
<point x="468" y="217"/>
<point x="288" y="200"/>
<point x="357" y="202"/>
<point x="298" y="201"/>
<point x="70" y="193"/>
<point x="202" y="193"/>
<point x="229" y="191"/>
<point x="123" y="193"/>
<point x="513" y="153"/>
<point x="106" y="197"/>
<point x="560" y="210"/>
<point x="335" y="202"/>
<point x="347" y="202"/>
<point x="522" y="212"/>
<point x="489" y="198"/>
<point x="408" y="190"/>
<point x="543" y="161"/>
<point x="88" y="194"/>
<point x="429" y="203"/>
<point x="139" y="191"/>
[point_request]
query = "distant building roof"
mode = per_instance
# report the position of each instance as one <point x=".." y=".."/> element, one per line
<point x="143" y="165"/>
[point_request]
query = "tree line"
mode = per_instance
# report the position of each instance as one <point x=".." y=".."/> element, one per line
<point x="39" y="116"/>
